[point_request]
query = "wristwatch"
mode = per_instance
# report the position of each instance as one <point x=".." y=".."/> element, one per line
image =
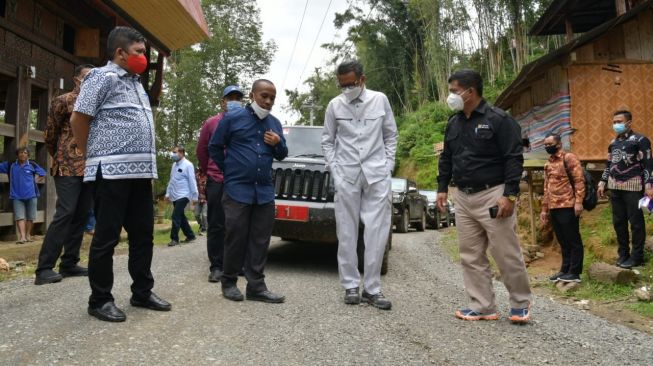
<point x="512" y="198"/>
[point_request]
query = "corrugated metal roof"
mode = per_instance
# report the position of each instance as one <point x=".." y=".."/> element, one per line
<point x="174" y="23"/>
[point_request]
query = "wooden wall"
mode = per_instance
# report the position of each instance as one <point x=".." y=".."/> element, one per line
<point x="32" y="35"/>
<point x="551" y="82"/>
<point x="629" y="42"/>
<point x="596" y="93"/>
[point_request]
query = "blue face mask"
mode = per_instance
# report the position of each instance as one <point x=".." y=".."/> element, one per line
<point x="619" y="128"/>
<point x="175" y="157"/>
<point x="233" y="105"/>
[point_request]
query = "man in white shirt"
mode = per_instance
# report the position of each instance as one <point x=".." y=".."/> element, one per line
<point x="359" y="142"/>
<point x="182" y="189"/>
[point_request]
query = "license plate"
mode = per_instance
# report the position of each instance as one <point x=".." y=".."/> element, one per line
<point x="291" y="213"/>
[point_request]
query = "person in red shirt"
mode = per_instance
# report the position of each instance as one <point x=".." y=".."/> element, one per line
<point x="232" y="98"/>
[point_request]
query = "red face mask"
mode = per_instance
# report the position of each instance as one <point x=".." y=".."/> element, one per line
<point x="137" y="63"/>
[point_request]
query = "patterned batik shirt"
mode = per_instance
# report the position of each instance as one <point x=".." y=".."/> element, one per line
<point x="67" y="160"/>
<point x="559" y="191"/>
<point x="201" y="185"/>
<point x="121" y="135"/>
<point x="630" y="164"/>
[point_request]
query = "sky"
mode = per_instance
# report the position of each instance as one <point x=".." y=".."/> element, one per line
<point x="281" y="20"/>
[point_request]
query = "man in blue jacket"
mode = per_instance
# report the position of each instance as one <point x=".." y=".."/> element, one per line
<point x="23" y="191"/>
<point x="253" y="138"/>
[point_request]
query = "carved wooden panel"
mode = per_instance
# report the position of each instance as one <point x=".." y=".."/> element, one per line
<point x="44" y="62"/>
<point x="47" y="24"/>
<point x="19" y="50"/>
<point x="87" y="42"/>
<point x="25" y="13"/>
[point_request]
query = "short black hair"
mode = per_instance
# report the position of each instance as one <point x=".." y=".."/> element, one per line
<point x="348" y="66"/>
<point x="180" y="148"/>
<point x="21" y="149"/>
<point x="555" y="136"/>
<point x="80" y="68"/>
<point x="468" y="78"/>
<point x="626" y="113"/>
<point x="122" y="37"/>
<point x="260" y="81"/>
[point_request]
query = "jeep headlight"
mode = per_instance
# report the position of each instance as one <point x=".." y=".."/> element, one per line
<point x="397" y="198"/>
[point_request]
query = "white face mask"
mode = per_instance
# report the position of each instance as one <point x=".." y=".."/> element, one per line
<point x="352" y="93"/>
<point x="260" y="112"/>
<point x="455" y="102"/>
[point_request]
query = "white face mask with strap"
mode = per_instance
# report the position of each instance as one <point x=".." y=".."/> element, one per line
<point x="260" y="112"/>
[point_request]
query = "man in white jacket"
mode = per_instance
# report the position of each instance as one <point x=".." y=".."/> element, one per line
<point x="182" y="189"/>
<point x="359" y="142"/>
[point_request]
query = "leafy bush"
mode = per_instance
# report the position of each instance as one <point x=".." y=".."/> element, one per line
<point x="419" y="131"/>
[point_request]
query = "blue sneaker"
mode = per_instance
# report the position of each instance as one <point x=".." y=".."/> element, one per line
<point x="520" y="316"/>
<point x="469" y="314"/>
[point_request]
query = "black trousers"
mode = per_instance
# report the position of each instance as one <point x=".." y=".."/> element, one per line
<point x="625" y="209"/>
<point x="179" y="220"/>
<point x="566" y="227"/>
<point x="215" y="219"/>
<point x="247" y="239"/>
<point x="121" y="203"/>
<point x="66" y="231"/>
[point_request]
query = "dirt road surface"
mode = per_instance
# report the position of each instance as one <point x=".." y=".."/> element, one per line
<point x="45" y="325"/>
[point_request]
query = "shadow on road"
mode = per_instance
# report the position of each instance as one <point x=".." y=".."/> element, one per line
<point x="303" y="256"/>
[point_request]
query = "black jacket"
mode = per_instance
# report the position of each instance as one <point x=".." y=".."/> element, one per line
<point x="484" y="149"/>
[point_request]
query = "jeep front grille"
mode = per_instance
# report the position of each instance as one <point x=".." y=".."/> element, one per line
<point x="306" y="185"/>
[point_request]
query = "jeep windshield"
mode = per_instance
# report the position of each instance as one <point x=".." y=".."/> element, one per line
<point x="304" y="142"/>
<point x="431" y="196"/>
<point x="398" y="185"/>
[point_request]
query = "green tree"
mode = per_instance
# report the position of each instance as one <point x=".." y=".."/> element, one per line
<point x="322" y="88"/>
<point x="196" y="75"/>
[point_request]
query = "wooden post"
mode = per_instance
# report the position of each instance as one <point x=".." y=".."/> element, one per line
<point x="569" y="29"/>
<point x="49" y="196"/>
<point x="620" y="6"/>
<point x="531" y="207"/>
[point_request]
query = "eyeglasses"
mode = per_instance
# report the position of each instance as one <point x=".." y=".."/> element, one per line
<point x="348" y="86"/>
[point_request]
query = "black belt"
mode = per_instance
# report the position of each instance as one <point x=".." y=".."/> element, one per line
<point x="476" y="189"/>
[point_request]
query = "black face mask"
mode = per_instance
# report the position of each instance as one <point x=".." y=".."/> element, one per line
<point x="551" y="149"/>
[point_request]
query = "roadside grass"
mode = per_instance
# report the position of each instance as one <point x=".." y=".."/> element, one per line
<point x="599" y="240"/>
<point x="449" y="243"/>
<point x="161" y="238"/>
<point x="600" y="244"/>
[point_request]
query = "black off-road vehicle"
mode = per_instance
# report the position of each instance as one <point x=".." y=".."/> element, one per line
<point x="408" y="205"/>
<point x="304" y="193"/>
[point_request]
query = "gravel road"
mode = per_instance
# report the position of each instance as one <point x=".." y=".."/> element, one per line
<point x="45" y="325"/>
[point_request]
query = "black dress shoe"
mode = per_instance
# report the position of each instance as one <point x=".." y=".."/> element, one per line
<point x="189" y="240"/>
<point x="153" y="303"/>
<point x="630" y="263"/>
<point x="108" y="312"/>
<point x="232" y="293"/>
<point x="352" y="297"/>
<point x="266" y="296"/>
<point x="75" y="271"/>
<point x="378" y="301"/>
<point x="215" y="275"/>
<point x="621" y="260"/>
<point x="47" y="276"/>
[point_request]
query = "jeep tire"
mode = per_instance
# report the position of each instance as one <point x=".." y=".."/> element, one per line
<point x="404" y="221"/>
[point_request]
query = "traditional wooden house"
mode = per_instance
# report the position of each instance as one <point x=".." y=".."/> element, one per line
<point x="606" y="65"/>
<point x="41" y="42"/>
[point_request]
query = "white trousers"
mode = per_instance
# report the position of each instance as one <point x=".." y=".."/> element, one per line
<point x="371" y="205"/>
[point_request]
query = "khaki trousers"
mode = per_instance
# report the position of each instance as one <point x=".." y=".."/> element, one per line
<point x="478" y="233"/>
